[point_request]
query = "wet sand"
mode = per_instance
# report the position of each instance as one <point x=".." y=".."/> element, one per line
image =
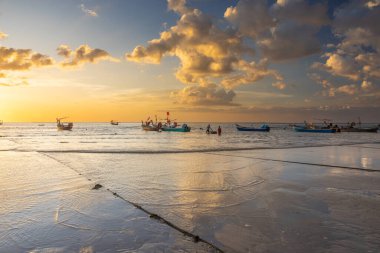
<point x="320" y="199"/>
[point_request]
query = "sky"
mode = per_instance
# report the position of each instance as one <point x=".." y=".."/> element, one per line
<point x="202" y="60"/>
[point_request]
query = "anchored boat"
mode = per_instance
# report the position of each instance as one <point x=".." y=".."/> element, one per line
<point x="359" y="130"/>
<point x="148" y="125"/>
<point x="168" y="127"/>
<point x="262" y="128"/>
<point x="313" y="130"/>
<point x="183" y="128"/>
<point x="61" y="126"/>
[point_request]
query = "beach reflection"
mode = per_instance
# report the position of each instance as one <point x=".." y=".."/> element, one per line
<point x="268" y="204"/>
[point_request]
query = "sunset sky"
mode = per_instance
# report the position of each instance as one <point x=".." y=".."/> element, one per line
<point x="202" y="60"/>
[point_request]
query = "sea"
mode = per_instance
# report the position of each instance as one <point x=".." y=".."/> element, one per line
<point x="130" y="138"/>
<point x="107" y="188"/>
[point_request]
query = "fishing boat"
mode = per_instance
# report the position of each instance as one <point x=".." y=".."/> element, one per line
<point x="172" y="128"/>
<point x="359" y="129"/>
<point x="61" y="126"/>
<point x="115" y="123"/>
<point x="168" y="127"/>
<point x="262" y="128"/>
<point x="149" y="125"/>
<point x="313" y="130"/>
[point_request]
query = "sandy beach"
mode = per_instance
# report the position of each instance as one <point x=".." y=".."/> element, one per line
<point x="316" y="199"/>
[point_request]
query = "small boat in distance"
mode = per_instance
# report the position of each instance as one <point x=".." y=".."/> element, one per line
<point x="115" y="123"/>
<point x="311" y="128"/>
<point x="61" y="126"/>
<point x="1" y="122"/>
<point x="357" y="128"/>
<point x="262" y="128"/>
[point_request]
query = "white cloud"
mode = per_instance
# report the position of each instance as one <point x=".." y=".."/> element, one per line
<point x="88" y="11"/>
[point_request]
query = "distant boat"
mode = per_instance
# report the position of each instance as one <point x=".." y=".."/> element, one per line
<point x="313" y="130"/>
<point x="1" y="122"/>
<point x="61" y="126"/>
<point x="359" y="129"/>
<point x="115" y="123"/>
<point x="262" y="128"/>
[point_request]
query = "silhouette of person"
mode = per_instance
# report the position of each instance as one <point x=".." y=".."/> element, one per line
<point x="219" y="131"/>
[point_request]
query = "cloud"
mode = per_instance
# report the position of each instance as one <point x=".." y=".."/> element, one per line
<point x="347" y="89"/>
<point x="251" y="17"/>
<point x="286" y="30"/>
<point x="178" y="6"/>
<point x="87" y="11"/>
<point x="372" y="4"/>
<point x="208" y="56"/>
<point x="206" y="94"/>
<point x="290" y="40"/>
<point x="356" y="55"/>
<point x="301" y="12"/>
<point x="342" y="65"/>
<point x="251" y="72"/>
<point x="12" y="59"/>
<point x="3" y="35"/>
<point x="83" y="54"/>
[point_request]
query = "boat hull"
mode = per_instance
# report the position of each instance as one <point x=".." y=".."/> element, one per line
<point x="64" y="128"/>
<point x="252" y="129"/>
<point x="360" y="130"/>
<point x="150" y="128"/>
<point x="176" y="129"/>
<point x="308" y="130"/>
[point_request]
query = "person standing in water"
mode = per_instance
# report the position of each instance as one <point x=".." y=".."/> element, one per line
<point x="219" y="131"/>
<point x="208" y="129"/>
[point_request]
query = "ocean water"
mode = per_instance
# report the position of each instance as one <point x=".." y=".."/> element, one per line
<point x="280" y="191"/>
<point x="130" y="138"/>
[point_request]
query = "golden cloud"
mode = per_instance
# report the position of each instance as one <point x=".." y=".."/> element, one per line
<point x="12" y="59"/>
<point x="83" y="54"/>
<point x="206" y="53"/>
<point x="205" y="94"/>
<point x="3" y="35"/>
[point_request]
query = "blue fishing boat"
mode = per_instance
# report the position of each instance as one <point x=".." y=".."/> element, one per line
<point x="262" y="128"/>
<point x="183" y="128"/>
<point x="313" y="130"/>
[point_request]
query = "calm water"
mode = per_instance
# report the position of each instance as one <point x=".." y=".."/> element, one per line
<point x="273" y="206"/>
<point x="129" y="137"/>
